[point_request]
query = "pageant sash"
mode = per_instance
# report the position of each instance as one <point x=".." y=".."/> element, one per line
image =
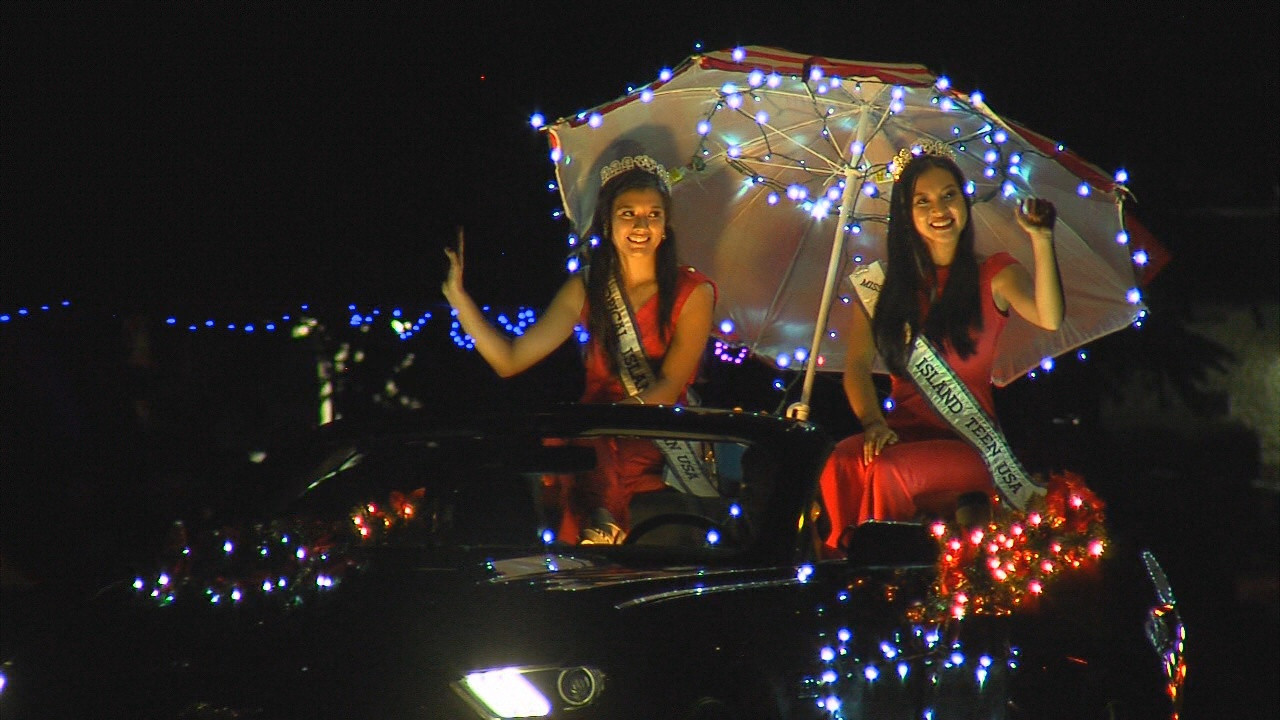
<point x="684" y="458"/>
<point x="954" y="403"/>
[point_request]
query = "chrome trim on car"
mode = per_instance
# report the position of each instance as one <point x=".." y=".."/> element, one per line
<point x="699" y="591"/>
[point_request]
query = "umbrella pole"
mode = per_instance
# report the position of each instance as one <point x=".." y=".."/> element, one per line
<point x="800" y="410"/>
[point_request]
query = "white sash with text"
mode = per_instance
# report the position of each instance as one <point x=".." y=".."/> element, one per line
<point x="684" y="458"/>
<point x="953" y="401"/>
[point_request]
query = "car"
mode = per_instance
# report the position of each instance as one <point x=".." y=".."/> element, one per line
<point x="409" y="567"/>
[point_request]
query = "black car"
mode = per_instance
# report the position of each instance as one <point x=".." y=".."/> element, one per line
<point x="412" y="570"/>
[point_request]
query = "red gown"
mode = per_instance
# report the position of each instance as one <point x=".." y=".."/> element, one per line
<point x="624" y="467"/>
<point x="930" y="466"/>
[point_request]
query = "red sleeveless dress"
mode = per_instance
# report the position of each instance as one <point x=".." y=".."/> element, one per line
<point x="930" y="466"/>
<point x="624" y="467"/>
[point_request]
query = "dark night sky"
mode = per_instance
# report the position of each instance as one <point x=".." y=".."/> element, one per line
<point x="216" y="154"/>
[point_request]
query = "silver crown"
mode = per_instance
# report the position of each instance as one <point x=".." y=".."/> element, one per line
<point x="937" y="148"/>
<point x="633" y="162"/>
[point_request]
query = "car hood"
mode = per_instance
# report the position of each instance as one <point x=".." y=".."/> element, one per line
<point x="401" y="628"/>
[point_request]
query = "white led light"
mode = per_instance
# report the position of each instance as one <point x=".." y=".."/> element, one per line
<point x="507" y="693"/>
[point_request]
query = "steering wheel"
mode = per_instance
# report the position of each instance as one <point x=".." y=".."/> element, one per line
<point x="693" y="520"/>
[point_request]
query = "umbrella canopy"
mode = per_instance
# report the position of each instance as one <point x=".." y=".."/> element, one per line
<point x="780" y="188"/>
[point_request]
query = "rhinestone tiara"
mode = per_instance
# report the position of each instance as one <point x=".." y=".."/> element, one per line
<point x="633" y="162"/>
<point x="937" y="148"/>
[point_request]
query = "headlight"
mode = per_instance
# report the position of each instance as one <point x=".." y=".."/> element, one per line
<point x="507" y="694"/>
<point x="524" y="692"/>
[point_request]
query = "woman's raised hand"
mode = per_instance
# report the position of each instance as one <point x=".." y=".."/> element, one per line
<point x="452" y="284"/>
<point x="1036" y="216"/>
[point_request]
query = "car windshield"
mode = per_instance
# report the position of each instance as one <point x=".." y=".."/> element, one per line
<point x="466" y="491"/>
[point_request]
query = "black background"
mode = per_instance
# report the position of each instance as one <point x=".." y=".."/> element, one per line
<point x="225" y="154"/>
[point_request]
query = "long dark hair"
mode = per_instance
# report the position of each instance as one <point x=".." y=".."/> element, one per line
<point x="953" y="316"/>
<point x="604" y="261"/>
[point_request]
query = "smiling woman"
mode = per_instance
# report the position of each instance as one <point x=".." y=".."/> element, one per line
<point x="936" y="446"/>
<point x="648" y="320"/>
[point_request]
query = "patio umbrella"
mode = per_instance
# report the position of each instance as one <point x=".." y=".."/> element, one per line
<point x="780" y="189"/>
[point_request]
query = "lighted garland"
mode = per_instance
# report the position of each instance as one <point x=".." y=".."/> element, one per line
<point x="343" y="331"/>
<point x="283" y="563"/>
<point x="995" y="569"/>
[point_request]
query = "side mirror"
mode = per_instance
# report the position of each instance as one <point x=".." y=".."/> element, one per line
<point x="882" y="544"/>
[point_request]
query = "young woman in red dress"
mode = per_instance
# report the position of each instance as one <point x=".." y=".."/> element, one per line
<point x="911" y="463"/>
<point x="672" y="307"/>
